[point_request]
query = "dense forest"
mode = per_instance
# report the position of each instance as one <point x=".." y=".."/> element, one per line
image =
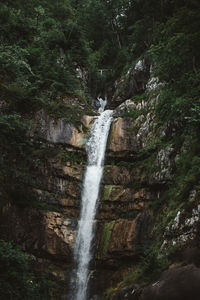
<point x="50" y="49"/>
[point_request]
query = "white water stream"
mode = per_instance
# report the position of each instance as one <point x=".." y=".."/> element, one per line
<point x="102" y="103"/>
<point x="95" y="148"/>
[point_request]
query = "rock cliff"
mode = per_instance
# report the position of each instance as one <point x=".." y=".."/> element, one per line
<point x="139" y="228"/>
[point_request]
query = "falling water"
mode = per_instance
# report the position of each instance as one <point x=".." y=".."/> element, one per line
<point x="102" y="103"/>
<point x="95" y="148"/>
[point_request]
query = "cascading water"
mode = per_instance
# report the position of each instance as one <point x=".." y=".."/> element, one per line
<point x="95" y="148"/>
<point x="102" y="103"/>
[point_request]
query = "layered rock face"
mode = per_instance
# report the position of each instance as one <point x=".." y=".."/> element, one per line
<point x="122" y="223"/>
<point x="138" y="167"/>
<point x="43" y="233"/>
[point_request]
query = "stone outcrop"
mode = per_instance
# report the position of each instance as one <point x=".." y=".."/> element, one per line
<point x="122" y="140"/>
<point x="43" y="233"/>
<point x="133" y="83"/>
<point x="180" y="283"/>
<point x="124" y="236"/>
<point x="184" y="229"/>
<point x="59" y="131"/>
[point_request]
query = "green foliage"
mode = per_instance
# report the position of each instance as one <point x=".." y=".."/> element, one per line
<point x="40" y="51"/>
<point x="175" y="52"/>
<point x="174" y="197"/>
<point x="152" y="146"/>
<point x="41" y="47"/>
<point x="43" y="43"/>
<point x="194" y="117"/>
<point x="16" y="280"/>
<point x="147" y="165"/>
<point x="131" y="277"/>
<point x="109" y="293"/>
<point x="71" y="157"/>
<point x="15" y="149"/>
<point x="187" y="175"/>
<point x="107" y="191"/>
<point x="134" y="114"/>
<point x="151" y="264"/>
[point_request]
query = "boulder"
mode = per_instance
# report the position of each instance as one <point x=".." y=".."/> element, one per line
<point x="181" y="283"/>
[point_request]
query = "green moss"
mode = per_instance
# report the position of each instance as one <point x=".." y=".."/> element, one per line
<point x="105" y="237"/>
<point x="72" y="157"/>
<point x="113" y="192"/>
<point x="107" y="191"/>
<point x="134" y="114"/>
<point x="174" y="196"/>
<point x="110" y="293"/>
<point x="131" y="277"/>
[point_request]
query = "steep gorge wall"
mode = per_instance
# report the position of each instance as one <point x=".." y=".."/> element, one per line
<point x="140" y="163"/>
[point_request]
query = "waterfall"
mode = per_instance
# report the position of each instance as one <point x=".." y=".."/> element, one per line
<point x="95" y="148"/>
<point x="102" y="103"/>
